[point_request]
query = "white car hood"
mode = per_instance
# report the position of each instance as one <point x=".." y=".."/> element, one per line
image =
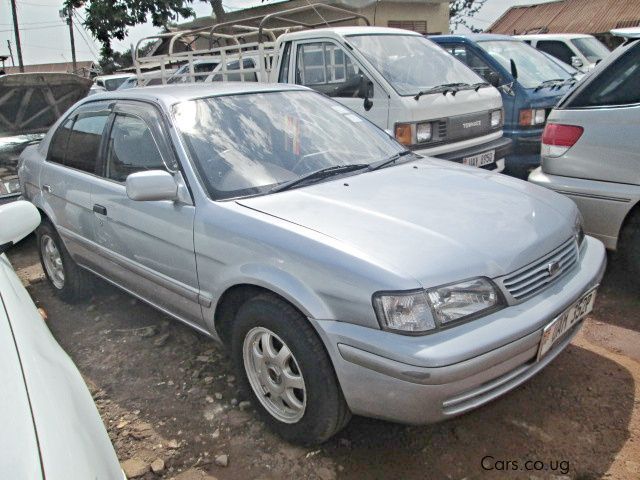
<point x="435" y="221"/>
<point x="72" y="440"/>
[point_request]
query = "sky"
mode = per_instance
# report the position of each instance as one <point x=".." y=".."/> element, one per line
<point x="45" y="36"/>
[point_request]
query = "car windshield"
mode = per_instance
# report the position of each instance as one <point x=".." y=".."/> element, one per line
<point x="411" y="63"/>
<point x="534" y="67"/>
<point x="113" y="83"/>
<point x="591" y="48"/>
<point x="247" y="144"/>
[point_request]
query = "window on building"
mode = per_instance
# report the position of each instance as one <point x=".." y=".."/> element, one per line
<point x="419" y="26"/>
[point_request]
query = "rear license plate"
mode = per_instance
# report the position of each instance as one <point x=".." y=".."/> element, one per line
<point x="480" y="160"/>
<point x="563" y="322"/>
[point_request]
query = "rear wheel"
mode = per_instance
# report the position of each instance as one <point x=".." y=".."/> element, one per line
<point x="68" y="280"/>
<point x="286" y="370"/>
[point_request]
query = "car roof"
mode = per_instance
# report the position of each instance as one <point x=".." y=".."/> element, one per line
<point x="544" y="36"/>
<point x="346" y="31"/>
<point x="630" y="32"/>
<point x="172" y="94"/>
<point x="474" y="37"/>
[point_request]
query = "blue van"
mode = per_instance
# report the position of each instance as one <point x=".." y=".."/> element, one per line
<point x="530" y="82"/>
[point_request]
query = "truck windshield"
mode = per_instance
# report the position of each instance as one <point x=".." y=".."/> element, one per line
<point x="591" y="48"/>
<point x="411" y="63"/>
<point x="534" y="67"/>
<point x="247" y="144"/>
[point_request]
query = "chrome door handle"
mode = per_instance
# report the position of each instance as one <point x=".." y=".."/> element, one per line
<point x="46" y="188"/>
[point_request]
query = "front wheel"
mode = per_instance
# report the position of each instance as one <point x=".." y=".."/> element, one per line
<point x="285" y="368"/>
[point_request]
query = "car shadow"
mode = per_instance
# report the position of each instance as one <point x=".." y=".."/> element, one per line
<point x="618" y="301"/>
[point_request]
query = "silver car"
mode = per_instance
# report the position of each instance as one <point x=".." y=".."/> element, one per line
<point x="591" y="151"/>
<point x="346" y="274"/>
<point x="50" y="426"/>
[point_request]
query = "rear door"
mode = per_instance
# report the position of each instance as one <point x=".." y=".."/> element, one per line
<point x="146" y="247"/>
<point x="68" y="175"/>
<point x="325" y="66"/>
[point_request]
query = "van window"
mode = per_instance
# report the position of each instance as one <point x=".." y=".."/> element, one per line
<point x="84" y="141"/>
<point x="132" y="148"/>
<point x="560" y="50"/>
<point x="471" y="60"/>
<point x="591" y="48"/>
<point x="59" y="141"/>
<point x="616" y="85"/>
<point x="325" y="67"/>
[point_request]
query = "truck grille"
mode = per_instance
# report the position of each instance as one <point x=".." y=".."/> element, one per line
<point x="534" y="277"/>
<point x="462" y="127"/>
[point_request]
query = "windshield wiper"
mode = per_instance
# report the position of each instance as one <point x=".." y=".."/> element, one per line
<point x="444" y="88"/>
<point x="387" y="161"/>
<point x="319" y="175"/>
<point x="479" y="85"/>
<point x="549" y="83"/>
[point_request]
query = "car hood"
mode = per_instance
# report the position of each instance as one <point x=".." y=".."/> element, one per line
<point x="435" y="221"/>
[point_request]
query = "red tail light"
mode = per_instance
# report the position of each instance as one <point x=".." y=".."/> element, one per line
<point x="557" y="139"/>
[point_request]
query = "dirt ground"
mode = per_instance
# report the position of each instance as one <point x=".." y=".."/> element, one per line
<point x="166" y="392"/>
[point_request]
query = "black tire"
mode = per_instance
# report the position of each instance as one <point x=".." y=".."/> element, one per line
<point x="326" y="411"/>
<point x="630" y="248"/>
<point x="77" y="282"/>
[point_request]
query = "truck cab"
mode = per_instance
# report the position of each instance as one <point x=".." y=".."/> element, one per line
<point x="579" y="50"/>
<point x="530" y="82"/>
<point x="397" y="79"/>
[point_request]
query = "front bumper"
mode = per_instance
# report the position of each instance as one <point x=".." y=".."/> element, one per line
<point x="501" y="146"/>
<point x="429" y="378"/>
<point x="525" y="155"/>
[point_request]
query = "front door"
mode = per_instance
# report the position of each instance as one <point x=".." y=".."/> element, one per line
<point x="326" y="67"/>
<point x="147" y="246"/>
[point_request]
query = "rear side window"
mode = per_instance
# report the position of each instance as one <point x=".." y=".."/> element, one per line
<point x="59" y="142"/>
<point x="84" y="141"/>
<point x="616" y="85"/>
<point x="132" y="148"/>
<point x="560" y="50"/>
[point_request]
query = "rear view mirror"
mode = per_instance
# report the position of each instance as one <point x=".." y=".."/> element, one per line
<point x="576" y="62"/>
<point x="493" y="78"/>
<point x="18" y="219"/>
<point x="365" y="91"/>
<point x="151" y="185"/>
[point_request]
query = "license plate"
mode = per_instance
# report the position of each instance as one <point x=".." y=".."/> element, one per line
<point x="563" y="322"/>
<point x="480" y="160"/>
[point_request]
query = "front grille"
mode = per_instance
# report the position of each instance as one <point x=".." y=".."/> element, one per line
<point x="462" y="127"/>
<point x="442" y="130"/>
<point x="534" y="277"/>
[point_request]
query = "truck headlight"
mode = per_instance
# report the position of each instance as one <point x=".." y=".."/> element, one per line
<point x="496" y="118"/>
<point x="532" y="116"/>
<point x="424" y="310"/>
<point x="423" y="132"/>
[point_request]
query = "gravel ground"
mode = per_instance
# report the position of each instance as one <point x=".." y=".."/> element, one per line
<point x="168" y="397"/>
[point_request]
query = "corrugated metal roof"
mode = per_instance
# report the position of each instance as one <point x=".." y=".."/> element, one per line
<point x="569" y="16"/>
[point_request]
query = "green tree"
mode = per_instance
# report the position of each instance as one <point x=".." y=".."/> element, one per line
<point x="461" y="11"/>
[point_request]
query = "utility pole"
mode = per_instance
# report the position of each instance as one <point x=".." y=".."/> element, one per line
<point x="16" y="31"/>
<point x="68" y="14"/>
<point x="13" y="63"/>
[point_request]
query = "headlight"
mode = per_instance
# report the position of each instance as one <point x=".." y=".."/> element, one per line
<point x="496" y="118"/>
<point x="423" y="132"/>
<point x="532" y="116"/>
<point x="404" y="311"/>
<point x="10" y="186"/>
<point x="578" y="229"/>
<point x="421" y="311"/>
<point x="404" y="134"/>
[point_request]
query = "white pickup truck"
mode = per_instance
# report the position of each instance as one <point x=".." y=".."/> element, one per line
<point x="397" y="79"/>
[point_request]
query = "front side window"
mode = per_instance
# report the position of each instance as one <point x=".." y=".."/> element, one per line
<point x="471" y="60"/>
<point x="560" y="50"/>
<point x="132" y="148"/>
<point x="533" y="66"/>
<point x="411" y="63"/>
<point x="85" y="137"/>
<point x="247" y="144"/>
<point x="591" y="48"/>
<point x="615" y="85"/>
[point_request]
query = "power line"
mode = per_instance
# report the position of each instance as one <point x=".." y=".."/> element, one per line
<point x="84" y="39"/>
<point x="34" y="28"/>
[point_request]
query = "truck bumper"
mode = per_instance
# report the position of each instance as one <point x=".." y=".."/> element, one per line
<point x="501" y="147"/>
<point x="387" y="376"/>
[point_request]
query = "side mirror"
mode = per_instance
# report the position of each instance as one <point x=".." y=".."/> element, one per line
<point x="365" y="91"/>
<point x="493" y="78"/>
<point x="514" y="69"/>
<point x="151" y="185"/>
<point x="576" y="62"/>
<point x="18" y="219"/>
